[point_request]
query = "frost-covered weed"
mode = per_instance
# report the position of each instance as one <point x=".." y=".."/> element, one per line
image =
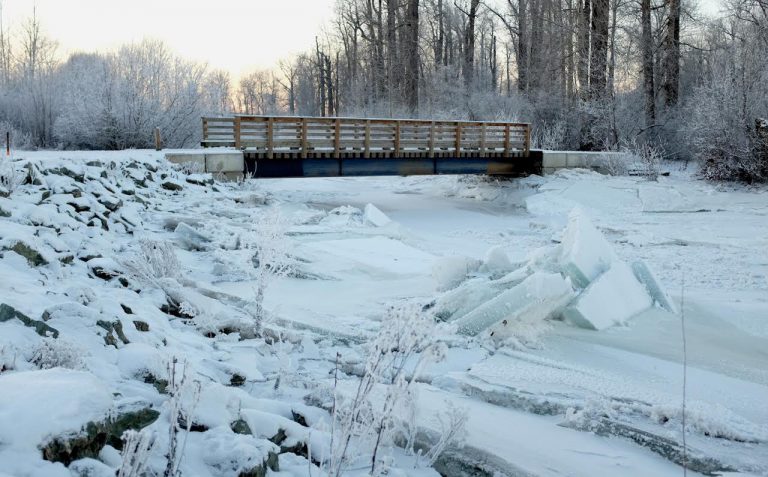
<point x="57" y="353"/>
<point x="183" y="400"/>
<point x="405" y="345"/>
<point x="154" y="261"/>
<point x="8" y="355"/>
<point x="188" y="168"/>
<point x="10" y="177"/>
<point x="643" y="158"/>
<point x="271" y="258"/>
<point x="137" y="447"/>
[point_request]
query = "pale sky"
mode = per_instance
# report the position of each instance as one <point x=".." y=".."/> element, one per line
<point x="236" y="35"/>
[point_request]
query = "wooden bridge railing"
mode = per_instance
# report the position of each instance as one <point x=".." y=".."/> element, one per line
<point x="300" y="137"/>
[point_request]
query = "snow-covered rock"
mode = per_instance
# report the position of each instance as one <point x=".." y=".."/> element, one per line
<point x="37" y="406"/>
<point x="611" y="299"/>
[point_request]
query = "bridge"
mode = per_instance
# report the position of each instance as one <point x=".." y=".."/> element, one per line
<point x="288" y="146"/>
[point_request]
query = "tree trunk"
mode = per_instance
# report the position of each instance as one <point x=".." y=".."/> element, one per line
<point x="412" y="57"/>
<point x="584" y="57"/>
<point x="469" y="45"/>
<point x="522" y="46"/>
<point x="393" y="64"/>
<point x="440" y="34"/>
<point x="599" y="49"/>
<point x="647" y="49"/>
<point x="671" y="77"/>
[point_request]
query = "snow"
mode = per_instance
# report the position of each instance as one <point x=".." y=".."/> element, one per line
<point x="36" y="406"/>
<point x="498" y="260"/>
<point x="612" y="299"/>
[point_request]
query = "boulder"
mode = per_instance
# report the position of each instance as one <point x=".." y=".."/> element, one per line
<point x="8" y="313"/>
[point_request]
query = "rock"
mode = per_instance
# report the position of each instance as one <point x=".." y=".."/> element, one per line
<point x="34" y="258"/>
<point x="240" y="427"/>
<point x="116" y="327"/>
<point x="64" y="171"/>
<point x="142" y="326"/>
<point x="111" y="203"/>
<point x="237" y="380"/>
<point x="160" y="384"/>
<point x="199" y="179"/>
<point x="8" y="313"/>
<point x="171" y="186"/>
<point x="3" y="213"/>
<point x="126" y="309"/>
<point x="96" y="435"/>
<point x="103" y="268"/>
<point x="33" y="175"/>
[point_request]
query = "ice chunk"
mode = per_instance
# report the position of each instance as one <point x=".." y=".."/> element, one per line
<point x="645" y="275"/>
<point x="536" y="298"/>
<point x="585" y="252"/>
<point x="461" y="300"/>
<point x="190" y="238"/>
<point x="375" y="217"/>
<point x="451" y="271"/>
<point x="611" y="299"/>
<point x="497" y="262"/>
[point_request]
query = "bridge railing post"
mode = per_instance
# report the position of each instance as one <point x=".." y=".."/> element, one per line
<point x="270" y="138"/>
<point x="236" y="132"/>
<point x="527" y="140"/>
<point x="367" y="140"/>
<point x="337" y="139"/>
<point x="458" y="139"/>
<point x="482" y="140"/>
<point x="506" y="140"/>
<point x="303" y="138"/>
<point x="397" y="139"/>
<point x="432" y="139"/>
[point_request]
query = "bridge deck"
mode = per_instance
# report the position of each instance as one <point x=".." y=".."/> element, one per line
<point x="281" y="146"/>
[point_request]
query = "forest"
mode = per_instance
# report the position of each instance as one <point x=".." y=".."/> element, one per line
<point x="588" y="74"/>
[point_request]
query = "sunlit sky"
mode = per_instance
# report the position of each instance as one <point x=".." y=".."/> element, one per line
<point x="235" y="35"/>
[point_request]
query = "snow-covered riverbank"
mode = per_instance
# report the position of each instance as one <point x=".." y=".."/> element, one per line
<point x="556" y="399"/>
